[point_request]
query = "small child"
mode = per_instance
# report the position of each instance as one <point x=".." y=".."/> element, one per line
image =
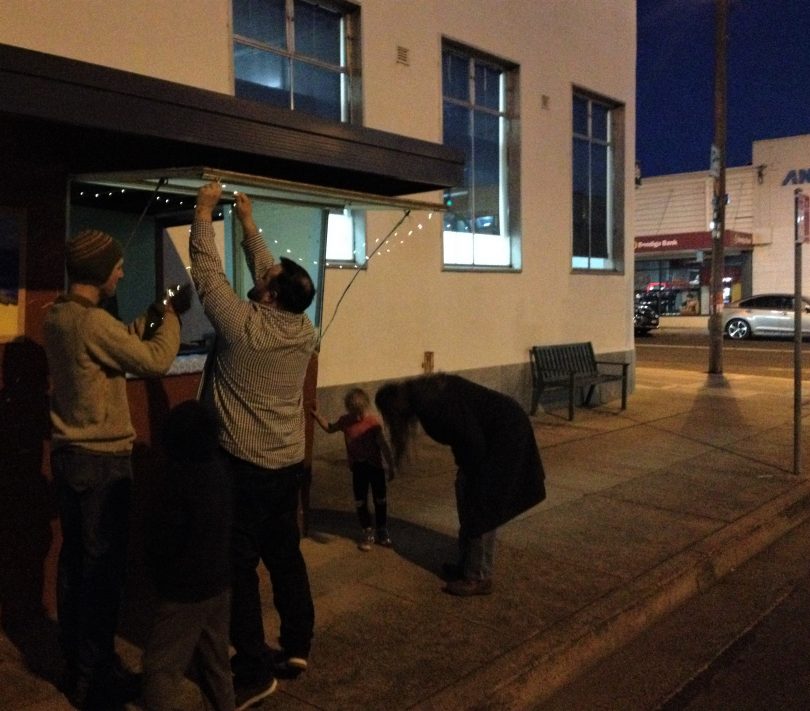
<point x="366" y="449"/>
<point x="188" y="551"/>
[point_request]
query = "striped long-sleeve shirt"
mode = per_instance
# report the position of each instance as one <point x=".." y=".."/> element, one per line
<point x="261" y="359"/>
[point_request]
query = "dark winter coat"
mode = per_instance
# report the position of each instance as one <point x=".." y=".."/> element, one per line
<point x="189" y="519"/>
<point x="493" y="443"/>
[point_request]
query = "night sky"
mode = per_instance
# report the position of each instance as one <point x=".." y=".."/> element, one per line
<point x="768" y="80"/>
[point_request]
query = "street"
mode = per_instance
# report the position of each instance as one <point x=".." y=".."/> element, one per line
<point x="743" y="643"/>
<point x="686" y="349"/>
<point x="767" y="666"/>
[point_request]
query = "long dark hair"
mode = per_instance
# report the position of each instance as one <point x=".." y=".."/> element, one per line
<point x="394" y="405"/>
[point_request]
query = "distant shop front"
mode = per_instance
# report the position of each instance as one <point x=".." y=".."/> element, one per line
<point x="673" y="271"/>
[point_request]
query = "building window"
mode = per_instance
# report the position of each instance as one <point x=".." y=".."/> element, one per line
<point x="345" y="238"/>
<point x="298" y="55"/>
<point x="479" y="98"/>
<point x="598" y="185"/>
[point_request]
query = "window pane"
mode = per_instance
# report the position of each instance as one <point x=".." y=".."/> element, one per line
<point x="486" y="172"/>
<point x="455" y="81"/>
<point x="599" y="201"/>
<point x="580" y="116"/>
<point x="262" y="20"/>
<point x="317" y="91"/>
<point x="457" y="134"/>
<point x="599" y="121"/>
<point x="492" y="250"/>
<point x="317" y="33"/>
<point x="581" y="205"/>
<point x="340" y="237"/>
<point x="458" y="248"/>
<point x="261" y="76"/>
<point x="487" y="87"/>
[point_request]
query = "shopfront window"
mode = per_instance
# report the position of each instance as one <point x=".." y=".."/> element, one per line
<point x="680" y="287"/>
<point x="153" y="228"/>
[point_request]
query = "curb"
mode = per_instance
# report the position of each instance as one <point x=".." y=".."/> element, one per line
<point x="529" y="674"/>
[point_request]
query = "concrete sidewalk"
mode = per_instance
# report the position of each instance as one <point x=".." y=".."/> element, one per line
<point x="645" y="508"/>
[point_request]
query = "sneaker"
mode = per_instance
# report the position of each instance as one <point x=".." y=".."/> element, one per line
<point x="366" y="541"/>
<point x="248" y="695"/>
<point x="465" y="587"/>
<point x="285" y="667"/>
<point x="383" y="539"/>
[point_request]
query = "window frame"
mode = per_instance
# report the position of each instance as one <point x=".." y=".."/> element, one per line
<point x="509" y="155"/>
<point x="349" y="70"/>
<point x="614" y="263"/>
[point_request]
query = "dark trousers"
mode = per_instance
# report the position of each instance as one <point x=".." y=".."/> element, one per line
<point x="365" y="475"/>
<point x="93" y="494"/>
<point x="265" y="527"/>
<point x="189" y="637"/>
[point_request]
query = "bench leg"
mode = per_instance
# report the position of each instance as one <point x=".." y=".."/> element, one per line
<point x="571" y="389"/>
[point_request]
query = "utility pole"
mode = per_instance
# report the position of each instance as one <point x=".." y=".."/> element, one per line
<point x="718" y="170"/>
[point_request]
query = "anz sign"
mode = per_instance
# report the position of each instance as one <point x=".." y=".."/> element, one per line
<point x="797" y="176"/>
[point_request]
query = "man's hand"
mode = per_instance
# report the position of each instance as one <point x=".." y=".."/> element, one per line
<point x="179" y="298"/>
<point x="207" y="199"/>
<point x="244" y="211"/>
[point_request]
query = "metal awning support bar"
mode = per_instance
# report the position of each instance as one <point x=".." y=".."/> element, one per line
<point x="187" y="181"/>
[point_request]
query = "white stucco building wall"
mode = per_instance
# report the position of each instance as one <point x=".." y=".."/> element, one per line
<point x="783" y="165"/>
<point x="405" y="303"/>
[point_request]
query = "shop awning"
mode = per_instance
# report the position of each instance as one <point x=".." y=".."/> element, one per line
<point x="93" y="119"/>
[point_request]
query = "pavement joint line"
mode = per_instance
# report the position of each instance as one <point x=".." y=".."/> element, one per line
<point x="533" y="671"/>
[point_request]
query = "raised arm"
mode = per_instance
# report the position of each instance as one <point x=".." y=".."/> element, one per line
<point x="258" y="256"/>
<point x="226" y="311"/>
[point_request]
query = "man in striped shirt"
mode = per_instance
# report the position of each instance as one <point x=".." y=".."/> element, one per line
<point x="263" y="347"/>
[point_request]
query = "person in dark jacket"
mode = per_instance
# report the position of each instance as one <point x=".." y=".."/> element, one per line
<point x="500" y="474"/>
<point x="188" y="553"/>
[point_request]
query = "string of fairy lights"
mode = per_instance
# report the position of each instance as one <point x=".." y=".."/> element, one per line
<point x="382" y="245"/>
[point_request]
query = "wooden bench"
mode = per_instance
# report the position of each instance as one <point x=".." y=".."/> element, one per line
<point x="571" y="366"/>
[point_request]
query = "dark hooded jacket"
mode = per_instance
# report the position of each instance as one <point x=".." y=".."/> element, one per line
<point x="189" y="520"/>
<point x="499" y="468"/>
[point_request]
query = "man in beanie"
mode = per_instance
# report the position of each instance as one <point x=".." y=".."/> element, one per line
<point x="89" y="354"/>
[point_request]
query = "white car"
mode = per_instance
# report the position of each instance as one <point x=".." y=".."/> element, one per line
<point x="764" y="315"/>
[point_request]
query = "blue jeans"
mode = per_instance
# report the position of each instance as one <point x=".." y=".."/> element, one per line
<point x="265" y="527"/>
<point x="93" y="495"/>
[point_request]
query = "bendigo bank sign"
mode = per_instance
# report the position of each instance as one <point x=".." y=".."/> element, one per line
<point x="691" y="242"/>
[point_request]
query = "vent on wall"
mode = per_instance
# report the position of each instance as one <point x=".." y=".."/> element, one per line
<point x="403" y="56"/>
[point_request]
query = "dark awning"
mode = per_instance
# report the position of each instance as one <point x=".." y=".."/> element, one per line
<point x="91" y="118"/>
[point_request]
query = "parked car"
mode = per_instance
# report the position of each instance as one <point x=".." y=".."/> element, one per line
<point x="645" y="319"/>
<point x="764" y="315"/>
